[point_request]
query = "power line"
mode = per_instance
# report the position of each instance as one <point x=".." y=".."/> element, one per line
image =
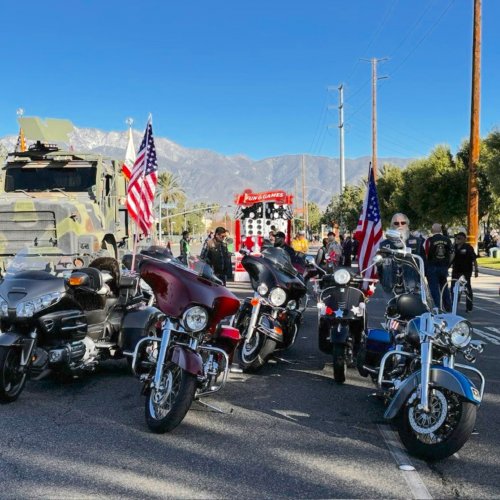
<point x="427" y="33"/>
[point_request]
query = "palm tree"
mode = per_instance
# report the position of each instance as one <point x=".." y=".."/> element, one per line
<point x="170" y="189"/>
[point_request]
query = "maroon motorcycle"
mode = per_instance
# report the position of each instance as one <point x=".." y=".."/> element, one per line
<point x="190" y="355"/>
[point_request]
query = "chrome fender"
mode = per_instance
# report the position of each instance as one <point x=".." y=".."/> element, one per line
<point x="441" y="376"/>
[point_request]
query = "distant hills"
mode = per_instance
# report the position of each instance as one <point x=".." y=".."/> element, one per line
<point x="209" y="176"/>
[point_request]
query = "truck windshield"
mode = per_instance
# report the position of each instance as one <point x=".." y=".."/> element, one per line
<point x="69" y="179"/>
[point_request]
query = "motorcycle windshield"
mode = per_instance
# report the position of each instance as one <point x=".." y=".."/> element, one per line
<point x="43" y="259"/>
<point x="177" y="288"/>
<point x="280" y="259"/>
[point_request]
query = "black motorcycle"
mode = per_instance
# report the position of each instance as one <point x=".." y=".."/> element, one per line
<point x="270" y="319"/>
<point x="57" y="318"/>
<point x="341" y="316"/>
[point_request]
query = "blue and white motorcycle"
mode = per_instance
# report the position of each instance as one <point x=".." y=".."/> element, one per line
<point x="433" y="404"/>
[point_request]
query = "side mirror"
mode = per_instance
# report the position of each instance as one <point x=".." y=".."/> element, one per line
<point x="310" y="261"/>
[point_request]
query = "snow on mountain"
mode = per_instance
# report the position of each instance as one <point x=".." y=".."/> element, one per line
<point x="209" y="176"/>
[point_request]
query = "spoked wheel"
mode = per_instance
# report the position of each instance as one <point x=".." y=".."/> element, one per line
<point x="442" y="431"/>
<point x="12" y="378"/>
<point x="339" y="363"/>
<point x="255" y="352"/>
<point x="167" y="405"/>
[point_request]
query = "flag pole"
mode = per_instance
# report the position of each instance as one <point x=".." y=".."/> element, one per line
<point x="134" y="251"/>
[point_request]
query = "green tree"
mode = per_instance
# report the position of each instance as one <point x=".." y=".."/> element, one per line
<point x="433" y="190"/>
<point x="171" y="192"/>
<point x="490" y="162"/>
<point x="314" y="216"/>
<point x="345" y="209"/>
<point x="389" y="189"/>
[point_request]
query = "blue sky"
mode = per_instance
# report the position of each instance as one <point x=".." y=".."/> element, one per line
<point x="252" y="77"/>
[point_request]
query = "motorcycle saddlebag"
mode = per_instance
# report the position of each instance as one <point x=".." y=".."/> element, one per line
<point x="378" y="342"/>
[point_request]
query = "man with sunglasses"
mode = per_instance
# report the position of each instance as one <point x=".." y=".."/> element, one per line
<point x="387" y="270"/>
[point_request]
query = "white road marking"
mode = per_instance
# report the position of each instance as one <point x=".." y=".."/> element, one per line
<point x="487" y="310"/>
<point x="493" y="329"/>
<point x="488" y="336"/>
<point x="411" y="476"/>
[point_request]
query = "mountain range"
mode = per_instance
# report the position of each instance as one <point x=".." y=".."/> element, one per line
<point x="207" y="176"/>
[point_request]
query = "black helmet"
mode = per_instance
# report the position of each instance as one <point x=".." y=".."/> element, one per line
<point x="279" y="239"/>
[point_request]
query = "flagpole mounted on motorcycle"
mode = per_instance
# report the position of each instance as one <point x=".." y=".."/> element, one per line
<point x="142" y="186"/>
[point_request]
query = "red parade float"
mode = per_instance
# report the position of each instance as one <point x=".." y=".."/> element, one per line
<point x="258" y="214"/>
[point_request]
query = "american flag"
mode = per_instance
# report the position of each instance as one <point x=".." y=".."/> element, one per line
<point x="369" y="230"/>
<point x="142" y="185"/>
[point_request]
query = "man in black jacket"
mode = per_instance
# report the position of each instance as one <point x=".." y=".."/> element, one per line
<point x="463" y="264"/>
<point x="439" y="250"/>
<point x="217" y="255"/>
<point x="388" y="270"/>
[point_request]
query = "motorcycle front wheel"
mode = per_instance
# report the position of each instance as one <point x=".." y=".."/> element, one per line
<point x="167" y="406"/>
<point x="12" y="379"/>
<point x="253" y="354"/>
<point x="339" y="363"/>
<point x="441" y="432"/>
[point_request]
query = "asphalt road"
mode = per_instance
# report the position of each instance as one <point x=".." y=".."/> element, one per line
<point x="292" y="433"/>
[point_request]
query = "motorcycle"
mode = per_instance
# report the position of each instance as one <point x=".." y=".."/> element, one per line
<point x="189" y="357"/>
<point x="341" y="315"/>
<point x="59" y="318"/>
<point x="270" y="319"/>
<point x="433" y="404"/>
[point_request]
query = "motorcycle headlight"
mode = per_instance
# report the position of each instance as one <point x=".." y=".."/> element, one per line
<point x="28" y="308"/>
<point x="262" y="289"/>
<point x="4" y="308"/>
<point x="460" y="334"/>
<point x="277" y="297"/>
<point x="342" y="276"/>
<point x="292" y="305"/>
<point x="196" y="318"/>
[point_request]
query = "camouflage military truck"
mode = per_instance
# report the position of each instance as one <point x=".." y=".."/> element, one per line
<point x="50" y="197"/>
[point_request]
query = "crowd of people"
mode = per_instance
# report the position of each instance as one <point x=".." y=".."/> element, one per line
<point x="438" y="252"/>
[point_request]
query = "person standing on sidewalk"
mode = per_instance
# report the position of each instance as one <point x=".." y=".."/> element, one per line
<point x="464" y="262"/>
<point x="439" y="250"/>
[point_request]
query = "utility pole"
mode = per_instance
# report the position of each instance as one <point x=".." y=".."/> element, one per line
<point x="304" y="196"/>
<point x="341" y="128"/>
<point x="374" y="62"/>
<point x="296" y="202"/>
<point x="472" y="189"/>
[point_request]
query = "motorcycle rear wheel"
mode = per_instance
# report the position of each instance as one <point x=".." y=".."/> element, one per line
<point x="166" y="408"/>
<point x="339" y="363"/>
<point x="443" y="431"/>
<point x="11" y="379"/>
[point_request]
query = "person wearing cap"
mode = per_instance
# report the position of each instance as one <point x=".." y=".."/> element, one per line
<point x="217" y="255"/>
<point x="334" y="251"/>
<point x="280" y="242"/>
<point x="300" y="243"/>
<point x="464" y="261"/>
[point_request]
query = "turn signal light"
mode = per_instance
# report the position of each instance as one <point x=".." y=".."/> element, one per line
<point x="278" y="330"/>
<point x="76" y="280"/>
<point x="329" y="310"/>
<point x="254" y="301"/>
